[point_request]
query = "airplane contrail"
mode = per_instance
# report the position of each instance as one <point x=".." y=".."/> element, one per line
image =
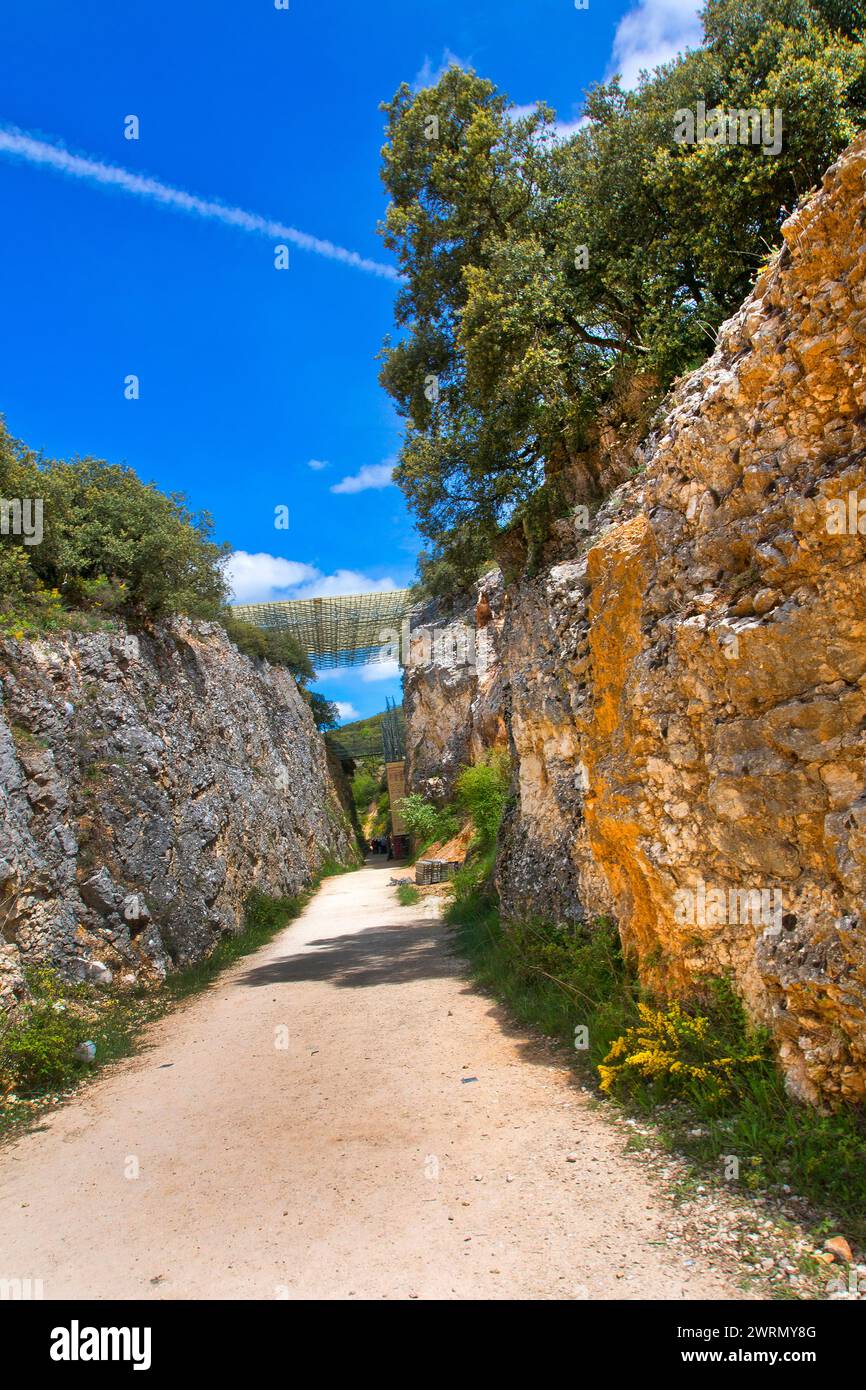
<point x="20" y="145"/>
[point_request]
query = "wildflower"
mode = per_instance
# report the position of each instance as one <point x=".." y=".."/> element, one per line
<point x="675" y="1047"/>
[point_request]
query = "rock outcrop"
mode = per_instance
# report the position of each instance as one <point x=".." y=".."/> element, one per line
<point x="452" y="694"/>
<point x="147" y="785"/>
<point x="684" y="683"/>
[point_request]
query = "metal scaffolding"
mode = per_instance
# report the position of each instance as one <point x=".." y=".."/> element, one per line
<point x="385" y="740"/>
<point x="393" y="732"/>
<point x="352" y="630"/>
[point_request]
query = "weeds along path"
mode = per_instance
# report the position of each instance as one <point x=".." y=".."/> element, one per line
<point x="339" y="1116"/>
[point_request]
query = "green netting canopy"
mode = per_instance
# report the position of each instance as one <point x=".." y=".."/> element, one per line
<point x="352" y="630"/>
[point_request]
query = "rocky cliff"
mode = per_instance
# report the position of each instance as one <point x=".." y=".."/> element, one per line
<point x="147" y="785"/>
<point x="684" y="680"/>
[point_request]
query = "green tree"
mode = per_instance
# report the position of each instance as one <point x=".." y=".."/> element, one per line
<point x="111" y="541"/>
<point x="546" y="280"/>
<point x="325" y="712"/>
<point x="425" y="821"/>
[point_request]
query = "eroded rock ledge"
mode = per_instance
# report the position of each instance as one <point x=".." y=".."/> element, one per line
<point x="147" y="785"/>
<point x="684" y="685"/>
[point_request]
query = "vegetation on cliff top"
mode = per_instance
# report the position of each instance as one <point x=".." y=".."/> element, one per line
<point x="96" y="545"/>
<point x="102" y="541"/>
<point x="547" y="278"/>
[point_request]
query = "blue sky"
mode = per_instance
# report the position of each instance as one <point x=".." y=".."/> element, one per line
<point x="258" y="387"/>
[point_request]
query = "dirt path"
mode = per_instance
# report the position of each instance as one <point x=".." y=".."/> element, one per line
<point x="404" y="1143"/>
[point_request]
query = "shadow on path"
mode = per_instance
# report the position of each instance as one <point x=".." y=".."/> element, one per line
<point x="377" y="956"/>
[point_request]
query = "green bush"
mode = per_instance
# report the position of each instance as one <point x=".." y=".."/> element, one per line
<point x="27" y="608"/>
<point x="365" y="788"/>
<point x="37" y="1051"/>
<point x="109" y="535"/>
<point x="108" y="540"/>
<point x="425" y="821"/>
<point x="382" y="819"/>
<point x="40" y="1054"/>
<point x="482" y="793"/>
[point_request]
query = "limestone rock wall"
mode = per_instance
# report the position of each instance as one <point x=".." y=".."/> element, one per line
<point x="147" y="784"/>
<point x="685" y="685"/>
<point x="452" y="693"/>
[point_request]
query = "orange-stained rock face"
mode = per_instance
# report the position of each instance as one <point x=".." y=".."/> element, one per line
<point x="685" y="687"/>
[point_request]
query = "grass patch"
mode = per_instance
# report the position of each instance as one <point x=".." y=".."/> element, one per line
<point x="331" y="868"/>
<point x="408" y="894"/>
<point x="557" y="979"/>
<point x="38" y="1065"/>
<point x="38" y="1062"/>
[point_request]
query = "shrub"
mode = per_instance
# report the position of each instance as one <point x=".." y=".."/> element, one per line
<point x="365" y="788"/>
<point x="482" y="792"/>
<point x="680" y="1052"/>
<point x="325" y="712"/>
<point x="27" y="608"/>
<point x="39" y="1055"/>
<point x="108" y="540"/>
<point x="285" y="650"/>
<point x="425" y="821"/>
<point x="382" y="819"/>
<point x="37" y="1051"/>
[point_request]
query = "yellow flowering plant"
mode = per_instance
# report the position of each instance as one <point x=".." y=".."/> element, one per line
<point x="678" y="1050"/>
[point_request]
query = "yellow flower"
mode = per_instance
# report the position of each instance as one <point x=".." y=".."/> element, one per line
<point x="674" y="1044"/>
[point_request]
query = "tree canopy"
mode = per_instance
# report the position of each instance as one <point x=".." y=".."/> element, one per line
<point x="107" y="540"/>
<point x="109" y="545"/>
<point x="543" y="276"/>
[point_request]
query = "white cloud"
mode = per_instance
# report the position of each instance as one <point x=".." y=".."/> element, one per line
<point x="264" y="578"/>
<point x="316" y="464"/>
<point x="257" y="578"/>
<point x="18" y="144"/>
<point x="380" y="671"/>
<point x="651" y="33"/>
<point x="428" y="76"/>
<point x="372" y="475"/>
<point x="372" y="673"/>
<point x="346" y="710"/>
<point x="342" y="582"/>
